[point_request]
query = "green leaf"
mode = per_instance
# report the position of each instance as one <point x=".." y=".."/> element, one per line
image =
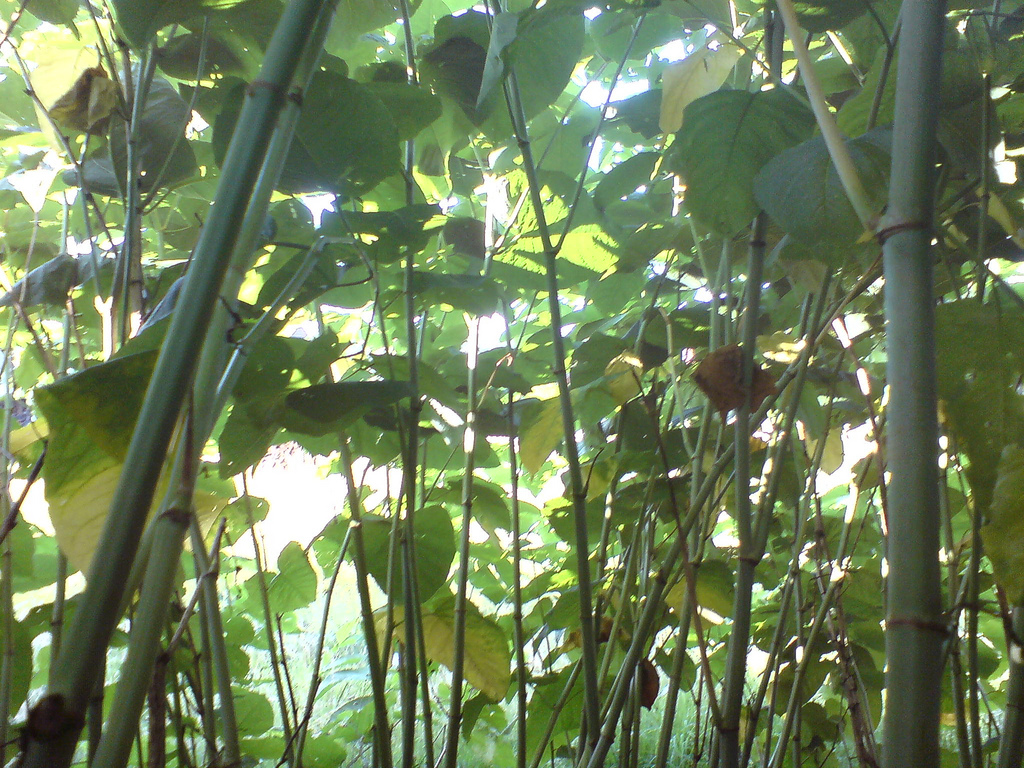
<point x="853" y="115"/>
<point x="412" y="107"/>
<point x="48" y="284"/>
<point x="624" y="179"/>
<point x="254" y="713"/>
<point x="1003" y="534"/>
<point x="267" y="370"/>
<point x="434" y="548"/>
<point x="166" y="157"/>
<point x="346" y="140"/>
<point x="503" y="32"/>
<point x="454" y="65"/>
<point x="612" y="31"/>
<point x="55" y="11"/>
<point x="980" y="351"/>
<point x="95" y="407"/>
<point x="248" y="432"/>
<point x="801" y="190"/>
<point x="225" y="55"/>
<point x="20" y="662"/>
<point x="91" y="417"/>
<point x="324" y="408"/>
<point x="141" y="19"/>
<point x="475" y="294"/>
<point x="726" y="138"/>
<point x="822" y="15"/>
<point x="294" y="585"/>
<point x="548" y="44"/>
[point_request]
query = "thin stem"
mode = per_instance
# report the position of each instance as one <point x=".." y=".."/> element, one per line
<point x="827" y="123"/>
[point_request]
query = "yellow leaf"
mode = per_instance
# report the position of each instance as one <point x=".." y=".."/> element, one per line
<point x="79" y="513"/>
<point x="487" y="658"/>
<point x="540" y="434"/>
<point x="700" y="73"/>
<point x="623" y="376"/>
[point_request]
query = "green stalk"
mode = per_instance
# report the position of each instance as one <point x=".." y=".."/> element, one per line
<point x="268" y="630"/>
<point x="661" y="759"/>
<point x="136" y="671"/>
<point x="750" y="552"/>
<point x="7" y="619"/>
<point x="915" y="628"/>
<point x="651" y="611"/>
<point x="1011" y="742"/>
<point x="221" y="667"/>
<point x="834" y="141"/>
<point x="382" y="731"/>
<point x="556" y="710"/>
<point x="411" y="464"/>
<point x="127" y="287"/>
<point x="168" y="529"/>
<point x="972" y="609"/>
<point x="318" y="653"/>
<point x="57" y="717"/>
<point x="592" y="696"/>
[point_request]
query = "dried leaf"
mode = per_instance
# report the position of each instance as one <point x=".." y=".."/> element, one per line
<point x="720" y="377"/>
<point x="88" y="105"/>
<point x="649" y="683"/>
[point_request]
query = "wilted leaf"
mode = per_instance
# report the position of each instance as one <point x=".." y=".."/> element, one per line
<point x="88" y="104"/>
<point x="648" y="683"/>
<point x="720" y="377"/>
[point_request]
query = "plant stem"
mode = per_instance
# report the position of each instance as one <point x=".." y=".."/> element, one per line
<point x="58" y="716"/>
<point x="915" y="628"/>
<point x="750" y="551"/>
<point x="827" y="123"/>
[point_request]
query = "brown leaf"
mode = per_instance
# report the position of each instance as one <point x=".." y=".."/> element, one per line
<point x="649" y="683"/>
<point x="720" y="377"/>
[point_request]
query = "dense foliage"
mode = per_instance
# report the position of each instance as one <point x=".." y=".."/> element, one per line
<point x="391" y="309"/>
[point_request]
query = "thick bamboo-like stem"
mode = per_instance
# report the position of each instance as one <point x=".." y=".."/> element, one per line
<point x="115" y="744"/>
<point x="168" y="532"/>
<point x="56" y="720"/>
<point x="915" y="628"/>
<point x="171" y="524"/>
